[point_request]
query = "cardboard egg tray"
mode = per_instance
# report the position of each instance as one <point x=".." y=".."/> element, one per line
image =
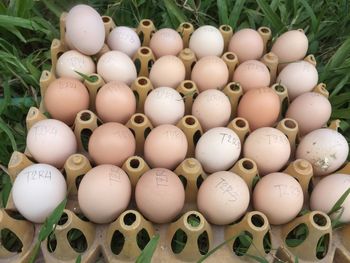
<point x="202" y="237"/>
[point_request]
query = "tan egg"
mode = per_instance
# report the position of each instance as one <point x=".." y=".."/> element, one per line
<point x="252" y="74"/>
<point x="124" y="39"/>
<point x="311" y="110"/>
<point x="160" y="195"/>
<point x="290" y="46"/>
<point x="167" y="71"/>
<point x="260" y="107"/>
<point x="299" y="77"/>
<point x="223" y="198"/>
<point x="104" y="193"/>
<point x="210" y="73"/>
<point x="51" y="141"/>
<point x="71" y="62"/>
<point x="85" y="29"/>
<point x="212" y="108"/>
<point x="111" y="143"/>
<point x="115" y="102"/>
<point x="247" y="44"/>
<point x="165" y="147"/>
<point x="166" y="41"/>
<point x="279" y="196"/>
<point x="64" y="98"/>
<point x="115" y="65"/>
<point x="269" y="148"/>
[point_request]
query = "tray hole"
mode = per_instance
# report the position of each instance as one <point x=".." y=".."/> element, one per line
<point x="85" y="135"/>
<point x="63" y="219"/>
<point x="77" y="240"/>
<point x="85" y="116"/>
<point x="188" y="85"/>
<point x="146" y="22"/>
<point x="203" y="243"/>
<point x="10" y="241"/>
<point x="230" y="56"/>
<point x="129" y="219"/>
<point x="117" y="242"/>
<point x="279" y="88"/>
<point x="186" y="25"/>
<point x="248" y="165"/>
<point x="137" y="97"/>
<point x="142" y="81"/>
<point x="240" y="123"/>
<point x="193" y="220"/>
<point x="196" y="136"/>
<point x="190" y="121"/>
<point x="134" y="163"/>
<point x="183" y="180"/>
<point x="137" y="63"/>
<point x="139" y="119"/>
<point x="78" y="180"/>
<point x="225" y="28"/>
<point x="199" y="181"/>
<point x="290" y="124"/>
<point x="144" y="51"/>
<point x="267" y="243"/>
<point x="257" y="220"/>
<point x="106" y="19"/>
<point x="320" y="219"/>
<point x="51" y="243"/>
<point x="147" y="132"/>
<point x="142" y="238"/>
<point x="15" y="215"/>
<point x="195" y="95"/>
<point x="59" y="54"/>
<point x="193" y="64"/>
<point x="141" y="36"/>
<point x="264" y="30"/>
<point x="150" y="64"/>
<point x="242" y="243"/>
<point x="322" y="246"/>
<point x="255" y="181"/>
<point x="178" y="242"/>
<point x="235" y="87"/>
<point x="284" y="107"/>
<point x="297" y="235"/>
<point x="133" y="132"/>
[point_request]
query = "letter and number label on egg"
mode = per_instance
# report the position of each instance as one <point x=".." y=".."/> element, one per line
<point x="41" y="130"/>
<point x="161" y="178"/>
<point x="36" y="175"/>
<point x="226" y="189"/>
<point x="276" y="139"/>
<point x="231" y="139"/>
<point x="287" y="190"/>
<point x="114" y="175"/>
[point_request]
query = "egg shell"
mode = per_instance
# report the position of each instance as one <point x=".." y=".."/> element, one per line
<point x="252" y="74"/>
<point x="260" y="107"/>
<point x="37" y="191"/>
<point x="299" y="77"/>
<point x="64" y="98"/>
<point x="325" y="149"/>
<point x="51" y="141"/>
<point x="111" y="143"/>
<point x="167" y="71"/>
<point x="210" y="72"/>
<point x="115" y="65"/>
<point x="269" y="148"/>
<point x="223" y="198"/>
<point x="164" y="105"/>
<point x="218" y="149"/>
<point x="279" y="196"/>
<point x="311" y="110"/>
<point x="85" y="29"/>
<point x="71" y="61"/>
<point x="124" y="39"/>
<point x="115" y="102"/>
<point x="166" y="41"/>
<point x="165" y="147"/>
<point x="160" y="195"/>
<point x="212" y="108"/>
<point x="104" y="193"/>
<point x="247" y="44"/>
<point x="206" y="41"/>
<point x="290" y="46"/>
<point x="328" y="191"/>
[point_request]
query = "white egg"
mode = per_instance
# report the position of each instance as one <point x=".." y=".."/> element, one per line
<point x="37" y="191"/>
<point x="124" y="39"/>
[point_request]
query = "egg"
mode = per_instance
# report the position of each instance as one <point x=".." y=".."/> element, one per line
<point x="252" y="74"/>
<point x="166" y="41"/>
<point x="115" y="102"/>
<point x="260" y="107"/>
<point x="223" y="198"/>
<point x="124" y="39"/>
<point x="37" y="190"/>
<point x="104" y="193"/>
<point x="218" y="149"/>
<point x="311" y="110"/>
<point x="269" y="148"/>
<point x="111" y="143"/>
<point x="51" y="141"/>
<point x="210" y="72"/>
<point x="212" y="108"/>
<point x="325" y="149"/>
<point x="85" y="29"/>
<point x="64" y="98"/>
<point x="247" y="44"/>
<point x="279" y="196"/>
<point x="164" y="105"/>
<point x="290" y="46"/>
<point x="328" y="191"/>
<point x="71" y="62"/>
<point x="115" y="65"/>
<point x="165" y="147"/>
<point x="167" y="71"/>
<point x="206" y="41"/>
<point x="160" y="195"/>
<point x="299" y="77"/>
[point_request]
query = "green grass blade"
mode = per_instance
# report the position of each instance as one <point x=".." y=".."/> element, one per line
<point x="338" y="205"/>
<point x="147" y="253"/>
<point x="6" y="189"/>
<point x="175" y="11"/>
<point x="274" y="20"/>
<point x="222" y="12"/>
<point x="211" y="252"/>
<point x="78" y="260"/>
<point x="311" y="14"/>
<point x="341" y="114"/>
<point x="9" y="134"/>
<point x="235" y="13"/>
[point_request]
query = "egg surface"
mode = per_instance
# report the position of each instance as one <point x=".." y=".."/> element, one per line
<point x="124" y="39"/>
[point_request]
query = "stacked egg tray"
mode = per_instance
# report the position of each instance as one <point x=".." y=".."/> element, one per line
<point x="203" y="236"/>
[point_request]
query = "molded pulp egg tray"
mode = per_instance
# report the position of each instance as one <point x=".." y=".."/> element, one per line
<point x="198" y="238"/>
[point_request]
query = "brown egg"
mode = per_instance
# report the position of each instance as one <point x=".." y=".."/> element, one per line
<point x="115" y="102"/>
<point x="252" y="74"/>
<point x="260" y="107"/>
<point x="167" y="71"/>
<point x="111" y="143"/>
<point x="160" y="195"/>
<point x="210" y="73"/>
<point x="165" y="147"/>
<point x="64" y="98"/>
<point x="166" y="41"/>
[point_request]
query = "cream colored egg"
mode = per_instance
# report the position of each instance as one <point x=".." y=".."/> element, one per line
<point x="166" y="41"/>
<point x="124" y="39"/>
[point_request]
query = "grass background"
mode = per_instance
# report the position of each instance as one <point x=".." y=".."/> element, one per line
<point x="27" y="28"/>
